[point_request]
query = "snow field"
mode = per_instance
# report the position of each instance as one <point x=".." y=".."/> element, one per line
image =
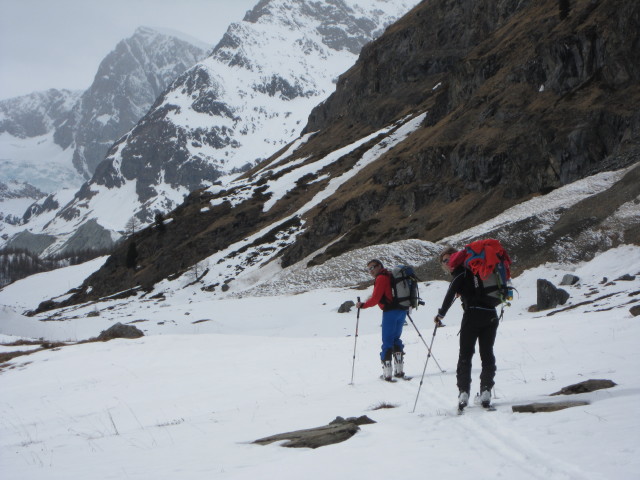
<point x="190" y="397"/>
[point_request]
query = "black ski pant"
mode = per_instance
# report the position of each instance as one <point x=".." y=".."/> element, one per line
<point x="479" y="325"/>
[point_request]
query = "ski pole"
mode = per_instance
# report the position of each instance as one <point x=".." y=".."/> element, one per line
<point x="425" y="344"/>
<point x="355" y="343"/>
<point x="425" y="365"/>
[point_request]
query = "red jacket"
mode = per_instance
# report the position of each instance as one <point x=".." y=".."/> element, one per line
<point x="382" y="294"/>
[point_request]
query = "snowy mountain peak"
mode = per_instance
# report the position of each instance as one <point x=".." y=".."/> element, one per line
<point x="127" y="82"/>
<point x="55" y="139"/>
<point x="342" y="24"/>
<point x="168" y="32"/>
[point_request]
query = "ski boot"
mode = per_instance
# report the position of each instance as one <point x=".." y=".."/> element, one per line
<point x="485" y="399"/>
<point x="387" y="371"/>
<point x="463" y="401"/>
<point x="398" y="359"/>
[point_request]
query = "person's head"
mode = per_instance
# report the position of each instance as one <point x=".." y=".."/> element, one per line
<point x="445" y="255"/>
<point x="374" y="266"/>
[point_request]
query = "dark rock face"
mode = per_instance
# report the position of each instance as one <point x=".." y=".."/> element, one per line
<point x="518" y="104"/>
<point x="549" y="296"/>
<point x="49" y="204"/>
<point x="155" y="138"/>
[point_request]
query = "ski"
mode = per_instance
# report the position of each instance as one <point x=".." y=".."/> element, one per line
<point x="490" y="408"/>
<point x="406" y="378"/>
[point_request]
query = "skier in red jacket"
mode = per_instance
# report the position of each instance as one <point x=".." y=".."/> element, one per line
<point x="393" y="318"/>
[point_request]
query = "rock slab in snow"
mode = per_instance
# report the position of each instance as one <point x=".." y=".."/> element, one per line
<point x="549" y="296"/>
<point x="337" y="431"/>
<point x="569" y="279"/>
<point x="120" y="331"/>
<point x="585" y="387"/>
<point x="546" y="407"/>
<point x="346" y="307"/>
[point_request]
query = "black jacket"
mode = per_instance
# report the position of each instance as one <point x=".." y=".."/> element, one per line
<point x="468" y="287"/>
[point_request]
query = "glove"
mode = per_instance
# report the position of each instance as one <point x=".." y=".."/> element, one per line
<point x="438" y="320"/>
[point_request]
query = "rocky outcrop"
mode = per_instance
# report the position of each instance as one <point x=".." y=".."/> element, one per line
<point x="549" y="296"/>
<point x="120" y="330"/>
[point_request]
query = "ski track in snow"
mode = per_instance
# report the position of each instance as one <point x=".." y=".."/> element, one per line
<point x="505" y="446"/>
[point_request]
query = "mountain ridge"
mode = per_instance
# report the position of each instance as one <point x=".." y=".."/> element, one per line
<point x="236" y="107"/>
<point x="467" y="145"/>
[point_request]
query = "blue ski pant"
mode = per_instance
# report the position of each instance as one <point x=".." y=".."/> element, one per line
<point x="392" y="323"/>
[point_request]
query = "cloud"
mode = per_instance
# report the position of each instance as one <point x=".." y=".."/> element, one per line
<point x="59" y="44"/>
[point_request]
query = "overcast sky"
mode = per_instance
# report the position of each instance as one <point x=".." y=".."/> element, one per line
<point x="60" y="43"/>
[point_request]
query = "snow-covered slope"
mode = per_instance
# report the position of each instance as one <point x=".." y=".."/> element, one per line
<point x="211" y="376"/>
<point x="28" y="151"/>
<point x="244" y="102"/>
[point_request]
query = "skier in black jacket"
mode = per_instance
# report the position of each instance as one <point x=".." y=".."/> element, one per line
<point x="479" y="323"/>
